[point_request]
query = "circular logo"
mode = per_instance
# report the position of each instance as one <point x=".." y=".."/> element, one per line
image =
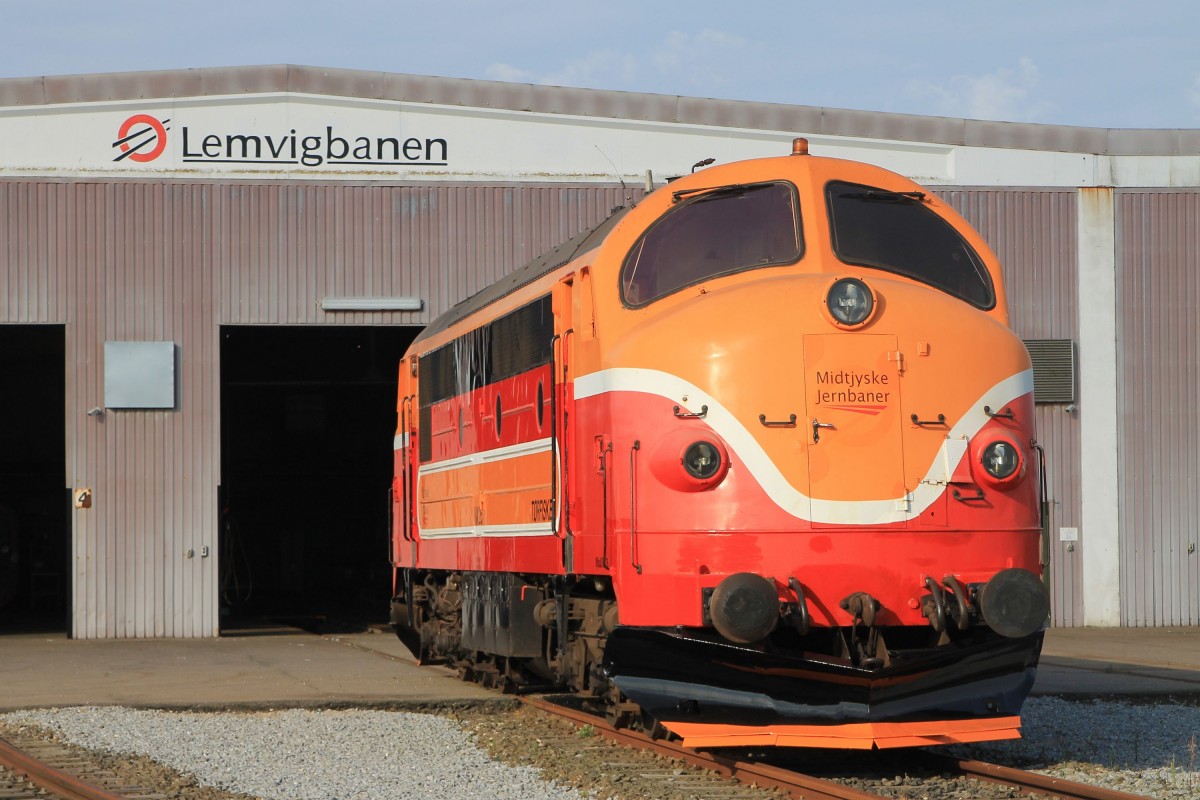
<point x="141" y="138"/>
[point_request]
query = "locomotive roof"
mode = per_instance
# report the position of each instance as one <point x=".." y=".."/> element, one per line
<point x="552" y="259"/>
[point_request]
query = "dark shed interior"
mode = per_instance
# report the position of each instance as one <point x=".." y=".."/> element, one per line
<point x="34" y="498"/>
<point x="308" y="416"/>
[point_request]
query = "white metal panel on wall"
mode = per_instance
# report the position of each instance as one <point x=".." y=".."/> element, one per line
<point x="294" y="122"/>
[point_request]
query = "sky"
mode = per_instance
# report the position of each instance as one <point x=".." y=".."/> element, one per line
<point x="1095" y="63"/>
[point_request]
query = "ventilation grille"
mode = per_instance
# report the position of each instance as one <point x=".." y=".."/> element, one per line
<point x="1053" y="370"/>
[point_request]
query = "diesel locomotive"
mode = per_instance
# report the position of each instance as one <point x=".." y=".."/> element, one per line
<point x="751" y="462"/>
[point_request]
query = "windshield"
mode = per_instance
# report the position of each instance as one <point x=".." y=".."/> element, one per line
<point x="713" y="232"/>
<point x="899" y="232"/>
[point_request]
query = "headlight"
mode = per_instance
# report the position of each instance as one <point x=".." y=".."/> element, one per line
<point x="702" y="460"/>
<point x="1001" y="459"/>
<point x="850" y="302"/>
<point x="689" y="460"/>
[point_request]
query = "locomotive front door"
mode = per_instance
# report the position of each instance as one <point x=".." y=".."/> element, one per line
<point x="852" y="430"/>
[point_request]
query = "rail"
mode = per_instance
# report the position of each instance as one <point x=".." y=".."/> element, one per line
<point x="1028" y="782"/>
<point x="54" y="781"/>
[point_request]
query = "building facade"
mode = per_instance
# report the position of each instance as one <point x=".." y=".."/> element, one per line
<point x="200" y="269"/>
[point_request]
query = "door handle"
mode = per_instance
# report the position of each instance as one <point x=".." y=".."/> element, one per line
<point x="817" y="425"/>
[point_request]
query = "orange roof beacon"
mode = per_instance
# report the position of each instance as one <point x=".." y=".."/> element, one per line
<point x="752" y="460"/>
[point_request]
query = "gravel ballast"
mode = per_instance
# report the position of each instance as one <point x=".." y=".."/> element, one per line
<point x="306" y="755"/>
<point x="1148" y="749"/>
<point x="1145" y="748"/>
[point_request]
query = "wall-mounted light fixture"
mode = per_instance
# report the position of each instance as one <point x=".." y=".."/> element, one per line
<point x="372" y="304"/>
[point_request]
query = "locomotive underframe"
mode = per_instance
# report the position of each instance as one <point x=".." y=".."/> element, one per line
<point x="507" y="630"/>
<point x="516" y="632"/>
<point x="675" y="677"/>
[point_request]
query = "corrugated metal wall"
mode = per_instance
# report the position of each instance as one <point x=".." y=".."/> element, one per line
<point x="285" y="247"/>
<point x="1158" y="294"/>
<point x="172" y="262"/>
<point x="1033" y="232"/>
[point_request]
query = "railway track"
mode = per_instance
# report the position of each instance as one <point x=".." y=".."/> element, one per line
<point x="35" y="768"/>
<point x="807" y="787"/>
<point x="1027" y="782"/>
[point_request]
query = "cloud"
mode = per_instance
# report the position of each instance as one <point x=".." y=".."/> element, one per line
<point x="1005" y="94"/>
<point x="705" y="59"/>
<point x="681" y="63"/>
<point x="599" y="68"/>
<point x="509" y="74"/>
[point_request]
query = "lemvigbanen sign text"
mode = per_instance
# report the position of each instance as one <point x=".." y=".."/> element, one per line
<point x="313" y="151"/>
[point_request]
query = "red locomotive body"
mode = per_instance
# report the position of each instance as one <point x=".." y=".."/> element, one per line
<point x="752" y="460"/>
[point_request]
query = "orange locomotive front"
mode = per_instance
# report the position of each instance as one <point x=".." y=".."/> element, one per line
<point x="753" y="459"/>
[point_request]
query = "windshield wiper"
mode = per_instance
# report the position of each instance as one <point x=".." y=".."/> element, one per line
<point x="732" y="188"/>
<point x="885" y="196"/>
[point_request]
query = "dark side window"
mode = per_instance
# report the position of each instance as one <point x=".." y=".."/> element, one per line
<point x="713" y="232"/>
<point x="899" y="233"/>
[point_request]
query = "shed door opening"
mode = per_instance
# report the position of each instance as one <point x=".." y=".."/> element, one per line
<point x="308" y="416"/>
<point x="34" y="498"/>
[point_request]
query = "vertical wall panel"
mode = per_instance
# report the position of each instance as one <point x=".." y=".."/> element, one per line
<point x="1033" y="234"/>
<point x="1158" y="294"/>
<point x="173" y="261"/>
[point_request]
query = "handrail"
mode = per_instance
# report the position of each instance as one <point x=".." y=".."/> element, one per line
<point x="637" y="445"/>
